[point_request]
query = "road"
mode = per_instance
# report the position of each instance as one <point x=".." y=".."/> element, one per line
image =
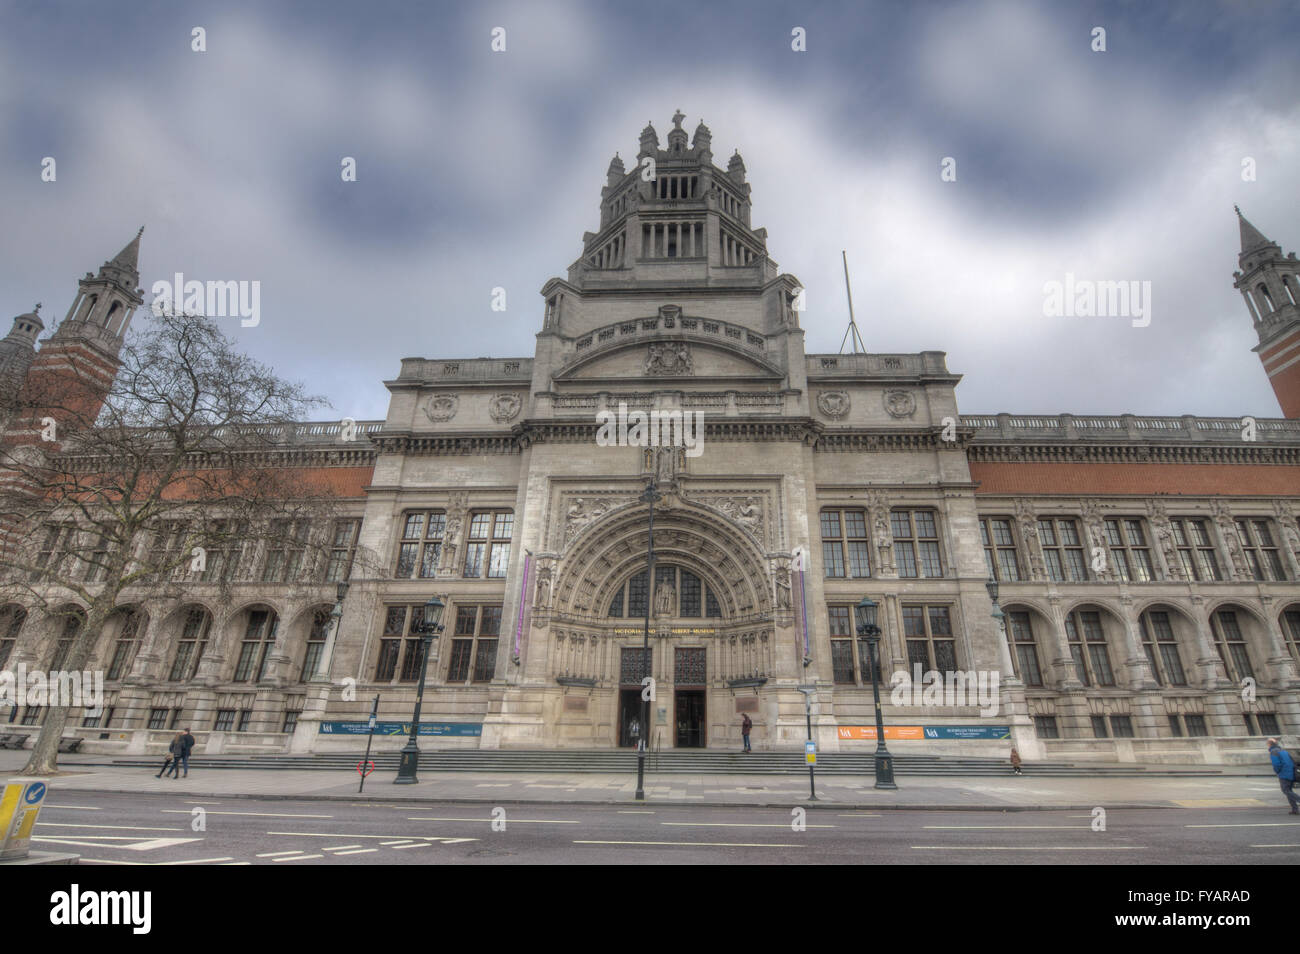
<point x="115" y="829"/>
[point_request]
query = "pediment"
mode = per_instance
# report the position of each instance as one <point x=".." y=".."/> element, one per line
<point x="669" y="359"/>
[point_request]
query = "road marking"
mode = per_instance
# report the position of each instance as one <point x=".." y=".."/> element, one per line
<point x="149" y="845"/>
<point x="198" y="861"/>
<point x="493" y="784"/>
<point x="418" y="844"/>
<point x="333" y="834"/>
<point x="1013" y="827"/>
<point x="179" y="811"/>
<point x="403" y="841"/>
<point x="106" y="861"/>
<point x="358" y="851"/>
<point x="1251" y="825"/>
<point x="736" y="825"/>
<point x="1028" y="848"/>
<point x="341" y="847"/>
<point x="859" y="815"/>
<point x="273" y="854"/>
<point x="1275" y="846"/>
<point x="635" y="813"/>
<point x="79" y="808"/>
<point x="298" y="858"/>
<point x="114" y="827"/>
<point x="513" y="821"/>
<point x="689" y="844"/>
<point x="1218" y="802"/>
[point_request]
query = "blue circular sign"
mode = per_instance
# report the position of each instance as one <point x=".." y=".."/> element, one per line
<point x="35" y="792"/>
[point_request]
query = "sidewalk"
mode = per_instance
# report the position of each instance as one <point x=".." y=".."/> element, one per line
<point x="1011" y="793"/>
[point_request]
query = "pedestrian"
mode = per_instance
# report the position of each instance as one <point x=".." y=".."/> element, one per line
<point x="187" y="743"/>
<point x="174" y="748"/>
<point x="1015" y="761"/>
<point x="746" y="723"/>
<point x="1284" y="769"/>
<point x="167" y="762"/>
<point x="634" y="732"/>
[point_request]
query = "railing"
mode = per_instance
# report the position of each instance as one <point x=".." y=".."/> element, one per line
<point x="467" y="369"/>
<point x="639" y="329"/>
<point x="1133" y="427"/>
<point x="902" y="364"/>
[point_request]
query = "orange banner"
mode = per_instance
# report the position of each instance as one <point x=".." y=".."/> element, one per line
<point x="868" y="732"/>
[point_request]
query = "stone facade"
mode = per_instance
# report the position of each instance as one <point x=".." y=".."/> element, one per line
<point x="1147" y="567"/>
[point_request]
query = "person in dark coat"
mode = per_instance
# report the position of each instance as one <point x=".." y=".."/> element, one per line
<point x="1015" y="761"/>
<point x="746" y="724"/>
<point x="187" y="743"/>
<point x="1284" y="769"/>
<point x="174" y="749"/>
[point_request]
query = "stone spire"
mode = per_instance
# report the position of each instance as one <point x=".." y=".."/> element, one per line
<point x="736" y="167"/>
<point x="1269" y="283"/>
<point x="649" y="141"/>
<point x="615" y="173"/>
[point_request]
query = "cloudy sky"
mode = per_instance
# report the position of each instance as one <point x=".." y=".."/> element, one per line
<point x="479" y="169"/>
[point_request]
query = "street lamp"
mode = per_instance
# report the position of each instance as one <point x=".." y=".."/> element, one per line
<point x="429" y="626"/>
<point x="649" y="496"/>
<point x="865" y="613"/>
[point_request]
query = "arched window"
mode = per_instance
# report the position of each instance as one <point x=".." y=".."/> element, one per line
<point x="190" y="646"/>
<point x="1089" y="649"/>
<point x="255" y="649"/>
<point x="12" y="618"/>
<point x="127" y="641"/>
<point x="677" y="592"/>
<point x="1262" y="290"/>
<point x="1231" y="644"/>
<point x="72" y="620"/>
<point x="1288" y="282"/>
<point x="113" y="310"/>
<point x="1161" y="646"/>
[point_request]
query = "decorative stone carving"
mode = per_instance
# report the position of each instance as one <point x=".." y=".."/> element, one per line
<point x="834" y="404"/>
<point x="900" y="403"/>
<point x="1228" y="530"/>
<point x="669" y="314"/>
<point x="746" y="511"/>
<point x="882" y="535"/>
<point x="1164" y="533"/>
<point x="457" y="506"/>
<point x="781" y="582"/>
<point x="673" y="358"/>
<point x="580" y="513"/>
<point x="441" y="407"/>
<point x="665" y="599"/>
<point x="1028" y="521"/>
<point x="1094" y="521"/>
<point x="504" y="407"/>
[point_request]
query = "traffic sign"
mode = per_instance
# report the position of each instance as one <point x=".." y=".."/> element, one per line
<point x="365" y="768"/>
<point x="810" y="752"/>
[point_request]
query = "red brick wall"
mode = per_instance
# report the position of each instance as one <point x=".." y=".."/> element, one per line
<point x="1176" y="479"/>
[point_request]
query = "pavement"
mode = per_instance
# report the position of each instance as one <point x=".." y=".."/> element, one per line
<point x="1237" y="788"/>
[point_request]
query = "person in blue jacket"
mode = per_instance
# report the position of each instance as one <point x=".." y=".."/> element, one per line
<point x="1284" y="768"/>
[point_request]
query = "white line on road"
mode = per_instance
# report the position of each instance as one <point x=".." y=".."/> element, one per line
<point x="1013" y="827"/>
<point x="513" y="821"/>
<point x="689" y="844"/>
<point x="1251" y="825"/>
<point x="1028" y="848"/>
<point x="859" y="815"/>
<point x="418" y="844"/>
<point x="333" y="834"/>
<point x="274" y="854"/>
<point x="298" y="858"/>
<point x="80" y="808"/>
<point x="198" y="861"/>
<point x="358" y="851"/>
<point x="136" y="846"/>
<point x="736" y="825"/>
<point x="114" y="827"/>
<point x="635" y="813"/>
<point x="179" y="811"/>
<point x="340" y="847"/>
<point x="400" y="841"/>
<point x="1275" y="846"/>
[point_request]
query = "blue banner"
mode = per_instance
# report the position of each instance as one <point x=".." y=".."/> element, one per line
<point x="402" y="728"/>
<point x="968" y="732"/>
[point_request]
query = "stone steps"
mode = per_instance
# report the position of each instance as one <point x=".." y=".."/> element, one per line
<point x="672" y="763"/>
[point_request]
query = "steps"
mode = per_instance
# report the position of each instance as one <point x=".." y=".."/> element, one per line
<point x="677" y="762"/>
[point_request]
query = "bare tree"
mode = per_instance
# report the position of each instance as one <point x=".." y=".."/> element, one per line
<point x="194" y="456"/>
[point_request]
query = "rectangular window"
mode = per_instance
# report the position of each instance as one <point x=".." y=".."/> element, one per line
<point x="1129" y="551"/>
<point x="290" y="721"/>
<point x="1099" y="727"/>
<point x="1045" y="727"/>
<point x="1161" y="648"/>
<point x="916" y="543"/>
<point x="158" y="718"/>
<point x="999" y="548"/>
<point x="286" y="550"/>
<point x="1196" y="726"/>
<point x="487" y="545"/>
<point x="245" y="716"/>
<point x="225" y="720"/>
<point x="1176" y="726"/>
<point x="475" y="641"/>
<point x="421" y="544"/>
<point x="1087" y="641"/>
<point x="929" y="636"/>
<point x="1121" y="726"/>
<point x="1196" y="552"/>
<point x="845" y="546"/>
<point x="1025" y="651"/>
<point x="1268" y="724"/>
<point x="1260" y="544"/>
<point x="343" y="548"/>
<point x="1231" y="645"/>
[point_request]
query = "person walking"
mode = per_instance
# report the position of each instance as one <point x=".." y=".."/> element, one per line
<point x="1284" y="769"/>
<point x="1015" y="761"/>
<point x="174" y="748"/>
<point x="746" y="724"/>
<point x="187" y="743"/>
<point x="171" y="755"/>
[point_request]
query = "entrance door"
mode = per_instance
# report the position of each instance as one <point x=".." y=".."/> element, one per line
<point x="689" y="716"/>
<point x="629" y="717"/>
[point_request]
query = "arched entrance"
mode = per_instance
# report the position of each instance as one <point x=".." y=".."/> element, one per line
<point x="710" y="617"/>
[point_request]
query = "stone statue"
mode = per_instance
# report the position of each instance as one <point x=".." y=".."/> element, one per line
<point x="782" y="588"/>
<point x="665" y="599"/>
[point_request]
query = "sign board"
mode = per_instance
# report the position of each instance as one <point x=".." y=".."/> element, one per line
<point x="402" y="728"/>
<point x="912" y="733"/>
<point x="810" y="752"/>
<point x="20" y="804"/>
<point x="365" y="768"/>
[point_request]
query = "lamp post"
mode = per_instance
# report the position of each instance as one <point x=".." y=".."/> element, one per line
<point x="650" y="495"/>
<point x="865" y="613"/>
<point x="430" y="626"/>
<point x="1004" y="646"/>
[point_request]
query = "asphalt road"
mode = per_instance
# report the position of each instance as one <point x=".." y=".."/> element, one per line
<point x="115" y="829"/>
